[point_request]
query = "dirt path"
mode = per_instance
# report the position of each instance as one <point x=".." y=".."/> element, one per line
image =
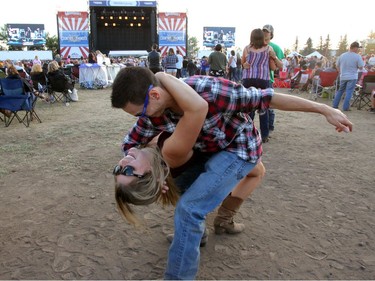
<point x="312" y="217"/>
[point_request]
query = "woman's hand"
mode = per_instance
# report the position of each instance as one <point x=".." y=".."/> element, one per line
<point x="246" y="65"/>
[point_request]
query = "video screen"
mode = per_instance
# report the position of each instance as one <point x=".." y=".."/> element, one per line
<point x="219" y="35"/>
<point x="26" y="34"/>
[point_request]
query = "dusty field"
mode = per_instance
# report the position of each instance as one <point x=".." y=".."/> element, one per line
<point x="312" y="218"/>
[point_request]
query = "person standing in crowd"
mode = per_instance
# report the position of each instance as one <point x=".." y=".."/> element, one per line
<point x="239" y="68"/>
<point x="232" y="66"/>
<point x="227" y="133"/>
<point x="170" y="62"/>
<point x="256" y="60"/>
<point x="348" y="65"/>
<point x="92" y="57"/>
<point x="184" y="67"/>
<point x="205" y="67"/>
<point x="153" y="59"/>
<point x="268" y="36"/>
<point x="179" y="64"/>
<point x="68" y="61"/>
<point x="218" y="62"/>
<point x="58" y="59"/>
<point x="191" y="67"/>
<point x="36" y="60"/>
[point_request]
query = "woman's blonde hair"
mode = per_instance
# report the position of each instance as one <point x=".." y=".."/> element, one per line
<point x="147" y="190"/>
<point x="36" y="68"/>
<point x="53" y="66"/>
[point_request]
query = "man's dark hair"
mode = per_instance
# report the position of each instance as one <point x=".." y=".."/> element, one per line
<point x="130" y="85"/>
<point x="218" y="47"/>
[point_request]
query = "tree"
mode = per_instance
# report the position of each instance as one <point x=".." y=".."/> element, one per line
<point x="343" y="45"/>
<point x="326" y="47"/>
<point x="369" y="46"/>
<point x="296" y="45"/>
<point x="192" y="47"/>
<point x="52" y="43"/>
<point x="308" y="47"/>
<point x="319" y="48"/>
<point x="3" y="37"/>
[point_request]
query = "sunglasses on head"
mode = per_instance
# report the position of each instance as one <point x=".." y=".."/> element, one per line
<point x="145" y="104"/>
<point x="125" y="171"/>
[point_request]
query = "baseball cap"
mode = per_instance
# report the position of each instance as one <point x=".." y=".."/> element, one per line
<point x="268" y="28"/>
<point x="355" y="45"/>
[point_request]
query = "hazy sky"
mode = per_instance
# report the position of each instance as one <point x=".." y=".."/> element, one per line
<point x="290" y="18"/>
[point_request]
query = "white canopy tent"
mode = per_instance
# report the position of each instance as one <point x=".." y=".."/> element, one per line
<point x="316" y="53"/>
<point x="294" y="53"/>
<point x="25" y="55"/>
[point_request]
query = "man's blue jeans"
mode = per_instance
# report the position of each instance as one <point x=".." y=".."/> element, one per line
<point x="222" y="172"/>
<point x="271" y="119"/>
<point x="346" y="86"/>
<point x="264" y="122"/>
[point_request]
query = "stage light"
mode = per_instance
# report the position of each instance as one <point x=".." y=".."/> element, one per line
<point x="139" y="24"/>
<point x="143" y="18"/>
<point x="131" y="24"/>
<point x="135" y="18"/>
<point x="126" y="17"/>
<point x="120" y="17"/>
<point x="102" y="17"/>
<point x="111" y="17"/>
<point x="114" y="24"/>
<point x="106" y="24"/>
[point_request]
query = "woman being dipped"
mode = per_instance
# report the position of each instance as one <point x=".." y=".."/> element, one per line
<point x="141" y="175"/>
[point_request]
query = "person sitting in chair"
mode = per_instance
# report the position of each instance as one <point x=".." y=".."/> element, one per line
<point x="14" y="74"/>
<point x="301" y="77"/>
<point x="38" y="78"/>
<point x="58" y="81"/>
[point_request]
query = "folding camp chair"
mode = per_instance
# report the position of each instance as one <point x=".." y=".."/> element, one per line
<point x="362" y="94"/>
<point x="300" y="82"/>
<point x="40" y="83"/>
<point x="327" y="82"/>
<point x="57" y="88"/>
<point x="16" y="100"/>
<point x="282" y="81"/>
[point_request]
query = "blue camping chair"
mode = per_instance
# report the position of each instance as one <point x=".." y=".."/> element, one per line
<point x="16" y="100"/>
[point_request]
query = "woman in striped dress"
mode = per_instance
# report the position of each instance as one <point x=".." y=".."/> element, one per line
<point x="256" y="60"/>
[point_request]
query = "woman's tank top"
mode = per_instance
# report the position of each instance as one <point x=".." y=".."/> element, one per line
<point x="259" y="65"/>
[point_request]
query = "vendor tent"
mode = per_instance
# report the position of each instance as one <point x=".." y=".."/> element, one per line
<point x="314" y="54"/>
<point x="294" y="53"/>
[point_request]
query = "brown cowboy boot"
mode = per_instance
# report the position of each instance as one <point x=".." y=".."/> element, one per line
<point x="224" y="219"/>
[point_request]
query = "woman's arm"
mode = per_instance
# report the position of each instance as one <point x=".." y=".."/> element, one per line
<point x="177" y="148"/>
<point x="292" y="103"/>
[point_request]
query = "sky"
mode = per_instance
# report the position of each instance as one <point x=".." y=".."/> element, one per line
<point x="290" y="18"/>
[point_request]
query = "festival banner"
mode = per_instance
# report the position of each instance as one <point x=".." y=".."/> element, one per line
<point x="73" y="28"/>
<point x="172" y="29"/>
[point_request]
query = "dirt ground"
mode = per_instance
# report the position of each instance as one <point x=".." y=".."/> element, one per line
<point x="312" y="217"/>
